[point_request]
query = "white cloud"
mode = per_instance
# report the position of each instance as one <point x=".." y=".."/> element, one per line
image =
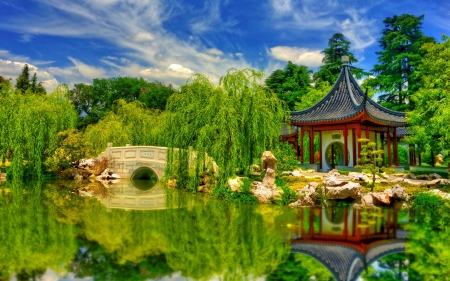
<point x="282" y="6"/>
<point x="144" y="37"/>
<point x="358" y="30"/>
<point x="215" y="52"/>
<point x="304" y="56"/>
<point x="207" y="58"/>
<point x="88" y="71"/>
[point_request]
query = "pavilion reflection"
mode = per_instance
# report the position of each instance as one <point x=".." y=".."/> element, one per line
<point x="346" y="239"/>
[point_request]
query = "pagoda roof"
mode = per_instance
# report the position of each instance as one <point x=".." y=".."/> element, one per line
<point x="347" y="102"/>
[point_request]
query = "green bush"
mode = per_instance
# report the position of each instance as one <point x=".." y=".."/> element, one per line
<point x="288" y="195"/>
<point x="286" y="159"/>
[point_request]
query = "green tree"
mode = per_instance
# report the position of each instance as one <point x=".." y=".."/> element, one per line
<point x="431" y="115"/>
<point x="338" y="46"/>
<point x="370" y="158"/>
<point x="95" y="101"/>
<point x="314" y="95"/>
<point x="291" y="83"/>
<point x="400" y="54"/>
<point x="233" y="122"/>
<point x="36" y="87"/>
<point x="23" y="81"/>
<point x="30" y="124"/>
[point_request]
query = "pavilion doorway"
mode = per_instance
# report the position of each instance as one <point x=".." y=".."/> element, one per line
<point x="334" y="155"/>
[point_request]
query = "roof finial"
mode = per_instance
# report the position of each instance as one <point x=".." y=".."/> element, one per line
<point x="345" y="60"/>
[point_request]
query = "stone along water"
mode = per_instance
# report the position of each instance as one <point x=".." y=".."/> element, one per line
<point x="59" y="231"/>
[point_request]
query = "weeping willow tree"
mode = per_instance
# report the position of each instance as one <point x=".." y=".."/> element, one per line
<point x="29" y="124"/>
<point x="31" y="238"/>
<point x="233" y="123"/>
<point x="130" y="123"/>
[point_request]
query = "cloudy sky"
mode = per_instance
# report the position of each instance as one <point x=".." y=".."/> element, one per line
<point x="168" y="40"/>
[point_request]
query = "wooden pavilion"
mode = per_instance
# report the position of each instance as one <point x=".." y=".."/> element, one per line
<point x="342" y="117"/>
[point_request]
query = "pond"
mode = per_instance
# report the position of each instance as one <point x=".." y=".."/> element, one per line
<point x="60" y="231"/>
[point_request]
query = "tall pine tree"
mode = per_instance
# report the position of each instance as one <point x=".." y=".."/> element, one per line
<point x="23" y="81"/>
<point x="338" y="46"/>
<point x="399" y="56"/>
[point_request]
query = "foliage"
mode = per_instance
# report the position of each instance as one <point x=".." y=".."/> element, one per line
<point x="319" y="197"/>
<point x="25" y="86"/>
<point x="314" y="95"/>
<point x="286" y="159"/>
<point x="394" y="267"/>
<point x="233" y="123"/>
<point x="431" y="116"/>
<point x="95" y="101"/>
<point x="31" y="239"/>
<point x="370" y="158"/>
<point x="338" y="46"/>
<point x="243" y="197"/>
<point x="403" y="156"/>
<point x="400" y="54"/>
<point x="129" y="123"/>
<point x="30" y="124"/>
<point x="291" y="83"/>
<point x="70" y="146"/>
<point x="300" y="267"/>
<point x="429" y="237"/>
<point x="288" y="195"/>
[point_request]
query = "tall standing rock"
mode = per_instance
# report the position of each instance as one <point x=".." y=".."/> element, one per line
<point x="268" y="160"/>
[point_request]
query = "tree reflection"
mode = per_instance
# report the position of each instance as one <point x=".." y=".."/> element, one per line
<point x="31" y="239"/>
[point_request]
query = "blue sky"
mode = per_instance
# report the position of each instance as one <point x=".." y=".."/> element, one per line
<point x="169" y="40"/>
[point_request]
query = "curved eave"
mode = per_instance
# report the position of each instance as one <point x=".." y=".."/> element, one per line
<point x="361" y="116"/>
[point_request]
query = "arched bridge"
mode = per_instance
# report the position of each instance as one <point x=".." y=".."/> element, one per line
<point x="134" y="161"/>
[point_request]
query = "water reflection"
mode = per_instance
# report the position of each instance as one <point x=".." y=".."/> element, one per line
<point x="345" y="239"/>
<point x="106" y="234"/>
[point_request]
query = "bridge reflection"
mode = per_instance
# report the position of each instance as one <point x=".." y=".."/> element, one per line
<point x="135" y="195"/>
<point x="345" y="239"/>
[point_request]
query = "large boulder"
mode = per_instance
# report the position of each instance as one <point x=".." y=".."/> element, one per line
<point x="333" y="181"/>
<point x="381" y="197"/>
<point x="358" y="177"/>
<point x="268" y="160"/>
<point x="398" y="192"/>
<point x="263" y="193"/>
<point x="269" y="178"/>
<point x="349" y="190"/>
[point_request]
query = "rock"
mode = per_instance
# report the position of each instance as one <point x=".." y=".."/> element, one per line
<point x="78" y="177"/>
<point x="172" y="183"/>
<point x="381" y="197"/>
<point x="334" y="172"/>
<point x="396" y="180"/>
<point x="440" y="193"/>
<point x="314" y="184"/>
<point x="439" y="160"/>
<point x="358" y="177"/>
<point x="268" y="160"/>
<point x="203" y="188"/>
<point x="235" y="184"/>
<point x="107" y="174"/>
<point x="433" y="182"/>
<point x="307" y="191"/>
<point x="367" y="200"/>
<point x="332" y="181"/>
<point x="265" y="195"/>
<point x="306" y="201"/>
<point x="435" y="176"/>
<point x="255" y="168"/>
<point x="350" y="190"/>
<point x="421" y="177"/>
<point x="398" y="192"/>
<point x="269" y="178"/>
<point x="410" y="176"/>
<point x="414" y="182"/>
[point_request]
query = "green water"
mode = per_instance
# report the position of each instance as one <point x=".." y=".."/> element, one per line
<point x="70" y="231"/>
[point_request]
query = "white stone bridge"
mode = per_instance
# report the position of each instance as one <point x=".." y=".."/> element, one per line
<point x="136" y="162"/>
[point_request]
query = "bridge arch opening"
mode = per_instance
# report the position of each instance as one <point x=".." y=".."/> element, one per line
<point x="144" y="178"/>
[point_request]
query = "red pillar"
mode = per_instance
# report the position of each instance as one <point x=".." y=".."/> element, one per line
<point x="389" y="147"/>
<point x="320" y="149"/>
<point x="345" y="146"/>
<point x="354" y="147"/>
<point x="302" y="150"/>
